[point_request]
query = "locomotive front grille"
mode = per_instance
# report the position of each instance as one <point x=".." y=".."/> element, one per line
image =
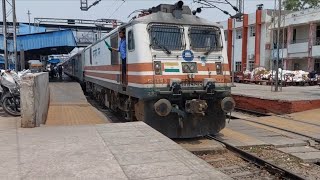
<point x="191" y="84"/>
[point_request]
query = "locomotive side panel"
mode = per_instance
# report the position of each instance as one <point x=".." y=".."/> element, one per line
<point x="102" y="66"/>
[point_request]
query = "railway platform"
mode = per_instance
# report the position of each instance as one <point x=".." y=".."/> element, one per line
<point x="69" y="106"/>
<point x="72" y="147"/>
<point x="260" y="98"/>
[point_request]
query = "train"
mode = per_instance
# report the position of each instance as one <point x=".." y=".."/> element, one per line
<point x="177" y="77"/>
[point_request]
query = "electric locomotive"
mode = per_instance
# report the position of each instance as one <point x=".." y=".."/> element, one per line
<point x="177" y="77"/>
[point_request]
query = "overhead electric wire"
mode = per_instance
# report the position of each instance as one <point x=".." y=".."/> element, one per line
<point x="210" y="5"/>
<point x="111" y="6"/>
<point x="123" y="1"/>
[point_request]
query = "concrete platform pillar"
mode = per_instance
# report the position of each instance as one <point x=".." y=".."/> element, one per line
<point x="312" y="31"/>
<point x="34" y="99"/>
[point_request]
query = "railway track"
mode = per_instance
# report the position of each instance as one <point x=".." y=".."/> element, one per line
<point x="251" y="112"/>
<point x="250" y="167"/>
<point x="259" y="114"/>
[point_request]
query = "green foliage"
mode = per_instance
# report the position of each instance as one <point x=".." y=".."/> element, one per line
<point x="296" y="5"/>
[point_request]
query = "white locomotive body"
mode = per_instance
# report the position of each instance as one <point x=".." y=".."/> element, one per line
<point x="177" y="76"/>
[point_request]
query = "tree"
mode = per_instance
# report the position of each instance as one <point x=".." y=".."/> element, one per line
<point x="296" y="5"/>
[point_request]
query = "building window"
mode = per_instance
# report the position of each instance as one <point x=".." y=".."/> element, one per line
<point x="294" y="36"/>
<point x="296" y="66"/>
<point x="239" y="34"/>
<point x="131" y="44"/>
<point x="251" y="65"/>
<point x="282" y="38"/>
<point x="317" y="65"/>
<point x="238" y="67"/>
<point x="226" y="35"/>
<point x="252" y="31"/>
<point x="318" y="36"/>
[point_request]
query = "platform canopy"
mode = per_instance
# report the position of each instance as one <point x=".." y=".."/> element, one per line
<point x="44" y="43"/>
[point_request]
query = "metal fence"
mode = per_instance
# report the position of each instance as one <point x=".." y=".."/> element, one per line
<point x="317" y="41"/>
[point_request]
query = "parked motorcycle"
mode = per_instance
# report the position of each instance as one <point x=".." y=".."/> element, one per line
<point x="10" y="96"/>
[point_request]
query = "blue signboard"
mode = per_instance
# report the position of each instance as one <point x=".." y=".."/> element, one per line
<point x="187" y="55"/>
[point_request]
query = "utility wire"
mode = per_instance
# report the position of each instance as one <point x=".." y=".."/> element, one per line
<point x="111" y="6"/>
<point x="123" y="1"/>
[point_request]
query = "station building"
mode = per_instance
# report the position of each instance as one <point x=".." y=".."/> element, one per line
<point x="255" y="40"/>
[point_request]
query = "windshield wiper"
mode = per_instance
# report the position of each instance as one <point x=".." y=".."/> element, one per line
<point x="161" y="46"/>
<point x="209" y="51"/>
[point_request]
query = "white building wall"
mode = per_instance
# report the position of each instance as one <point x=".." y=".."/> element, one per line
<point x="251" y="45"/>
<point x="316" y="51"/>
<point x="238" y="51"/>
<point x="303" y="17"/>
<point x="263" y="53"/>
<point x="265" y="38"/>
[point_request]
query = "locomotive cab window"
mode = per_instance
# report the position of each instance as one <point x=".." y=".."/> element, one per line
<point x="205" y="39"/>
<point x="131" y="44"/>
<point x="166" y="38"/>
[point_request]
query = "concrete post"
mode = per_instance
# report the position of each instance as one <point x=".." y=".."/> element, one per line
<point x="22" y="60"/>
<point x="310" y="44"/>
<point x="34" y="99"/>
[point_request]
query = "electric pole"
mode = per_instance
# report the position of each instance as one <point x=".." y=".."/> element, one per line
<point x="29" y="21"/>
<point x="240" y="6"/>
<point x="14" y="19"/>
<point x="4" y="11"/>
<point x="278" y="49"/>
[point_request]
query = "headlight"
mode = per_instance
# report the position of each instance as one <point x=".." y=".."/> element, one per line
<point x="157" y="67"/>
<point x="219" y="68"/>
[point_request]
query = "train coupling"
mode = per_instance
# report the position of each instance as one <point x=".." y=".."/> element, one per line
<point x="163" y="108"/>
<point x="196" y="106"/>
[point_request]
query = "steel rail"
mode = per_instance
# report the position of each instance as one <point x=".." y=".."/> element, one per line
<point x="290" y="131"/>
<point x="270" y="167"/>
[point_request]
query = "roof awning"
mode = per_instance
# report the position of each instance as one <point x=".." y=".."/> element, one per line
<point x="47" y="40"/>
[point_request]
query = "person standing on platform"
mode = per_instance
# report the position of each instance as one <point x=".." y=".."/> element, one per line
<point x="60" y="68"/>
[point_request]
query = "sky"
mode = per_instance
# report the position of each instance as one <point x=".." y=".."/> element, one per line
<point x="116" y="9"/>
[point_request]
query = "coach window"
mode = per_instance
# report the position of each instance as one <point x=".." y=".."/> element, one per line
<point x="131" y="44"/>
